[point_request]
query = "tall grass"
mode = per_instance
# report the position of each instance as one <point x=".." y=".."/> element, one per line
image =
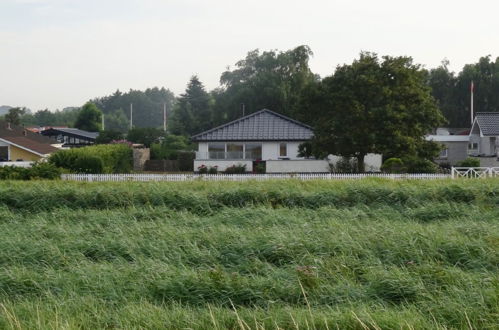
<point x="306" y="255"/>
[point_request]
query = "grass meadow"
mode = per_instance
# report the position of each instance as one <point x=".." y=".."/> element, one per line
<point x="368" y="254"/>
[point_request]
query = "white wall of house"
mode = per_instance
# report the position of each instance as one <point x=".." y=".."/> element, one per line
<point x="297" y="166"/>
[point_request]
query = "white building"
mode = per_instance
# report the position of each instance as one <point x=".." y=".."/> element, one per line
<point x="262" y="136"/>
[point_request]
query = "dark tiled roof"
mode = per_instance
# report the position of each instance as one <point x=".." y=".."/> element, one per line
<point x="264" y="125"/>
<point x="72" y="132"/>
<point x="27" y="143"/>
<point x="488" y="123"/>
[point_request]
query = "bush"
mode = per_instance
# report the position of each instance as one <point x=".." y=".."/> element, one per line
<point x="260" y="168"/>
<point x="39" y="170"/>
<point x="419" y="165"/>
<point x="236" y="169"/>
<point x="115" y="158"/>
<point x="203" y="169"/>
<point x="393" y="165"/>
<point x="213" y="170"/>
<point x="344" y="165"/>
<point x="469" y="162"/>
<point x="89" y="164"/>
<point x="186" y="161"/>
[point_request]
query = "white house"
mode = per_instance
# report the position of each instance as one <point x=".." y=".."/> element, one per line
<point x="262" y="136"/>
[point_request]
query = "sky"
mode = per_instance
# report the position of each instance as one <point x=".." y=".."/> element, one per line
<point x="59" y="53"/>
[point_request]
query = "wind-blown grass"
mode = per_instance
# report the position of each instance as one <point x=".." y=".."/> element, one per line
<point x="350" y="255"/>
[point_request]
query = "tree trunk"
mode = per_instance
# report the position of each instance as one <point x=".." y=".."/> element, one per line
<point x="360" y="163"/>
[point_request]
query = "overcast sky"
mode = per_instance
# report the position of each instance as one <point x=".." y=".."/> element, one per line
<point x="58" y="53"/>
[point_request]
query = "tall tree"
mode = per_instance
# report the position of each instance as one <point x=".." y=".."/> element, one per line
<point x="89" y="118"/>
<point x="271" y="79"/>
<point x="373" y="106"/>
<point x="14" y="115"/>
<point x="193" y="111"/>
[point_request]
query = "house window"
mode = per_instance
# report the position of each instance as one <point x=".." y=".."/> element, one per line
<point x="253" y="151"/>
<point x="216" y="151"/>
<point x="235" y="151"/>
<point x="473" y="146"/>
<point x="443" y="154"/>
<point x="283" y="150"/>
<point x="4" y="153"/>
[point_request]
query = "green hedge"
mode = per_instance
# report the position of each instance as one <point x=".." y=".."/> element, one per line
<point x="108" y="158"/>
<point x="37" y="171"/>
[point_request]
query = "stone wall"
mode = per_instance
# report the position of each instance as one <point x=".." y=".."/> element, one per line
<point x="140" y="156"/>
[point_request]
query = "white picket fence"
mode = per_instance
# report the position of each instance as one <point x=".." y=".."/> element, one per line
<point x="475" y="172"/>
<point x="244" y="177"/>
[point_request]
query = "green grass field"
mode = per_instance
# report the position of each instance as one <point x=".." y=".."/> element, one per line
<point x="369" y="254"/>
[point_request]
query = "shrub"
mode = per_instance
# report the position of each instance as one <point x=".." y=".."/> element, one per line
<point x="213" y="170"/>
<point x="419" y="165"/>
<point x="260" y="168"/>
<point x="116" y="158"/>
<point x="203" y="169"/>
<point x="186" y="160"/>
<point x="89" y="164"/>
<point x="393" y="165"/>
<point x="469" y="162"/>
<point x="39" y="170"/>
<point x="344" y="165"/>
<point x="44" y="170"/>
<point x="236" y="169"/>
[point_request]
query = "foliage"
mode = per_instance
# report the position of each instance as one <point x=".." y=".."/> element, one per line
<point x="203" y="169"/>
<point x="88" y="164"/>
<point x="186" y="160"/>
<point x="116" y="120"/>
<point x="271" y="79"/>
<point x="145" y="135"/>
<point x="193" y="112"/>
<point x="452" y="90"/>
<point x="344" y="165"/>
<point x="65" y="117"/>
<point x="420" y="165"/>
<point x="148" y="107"/>
<point x="469" y="162"/>
<point x="170" y="147"/>
<point x="236" y="169"/>
<point x="113" y="158"/>
<point x="39" y="170"/>
<point x="393" y="165"/>
<point x="14" y="115"/>
<point x="89" y="118"/>
<point x="108" y="136"/>
<point x="373" y="106"/>
<point x="114" y="255"/>
<point x="260" y="167"/>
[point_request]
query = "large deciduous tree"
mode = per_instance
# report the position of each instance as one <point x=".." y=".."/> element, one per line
<point x="373" y="106"/>
<point x="89" y="118"/>
<point x="15" y="115"/>
<point x="270" y="79"/>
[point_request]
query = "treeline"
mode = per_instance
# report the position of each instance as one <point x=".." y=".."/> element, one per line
<point x="277" y="80"/>
<point x="452" y="90"/>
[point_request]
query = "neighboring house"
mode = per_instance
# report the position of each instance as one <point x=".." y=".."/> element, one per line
<point x="454" y="142"/>
<point x="481" y="142"/>
<point x="262" y="136"/>
<point x="71" y="137"/>
<point x="20" y="145"/>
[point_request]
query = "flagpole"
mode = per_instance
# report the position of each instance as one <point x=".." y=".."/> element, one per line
<point x="472" y="91"/>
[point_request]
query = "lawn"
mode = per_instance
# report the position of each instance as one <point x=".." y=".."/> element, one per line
<point x="366" y="254"/>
